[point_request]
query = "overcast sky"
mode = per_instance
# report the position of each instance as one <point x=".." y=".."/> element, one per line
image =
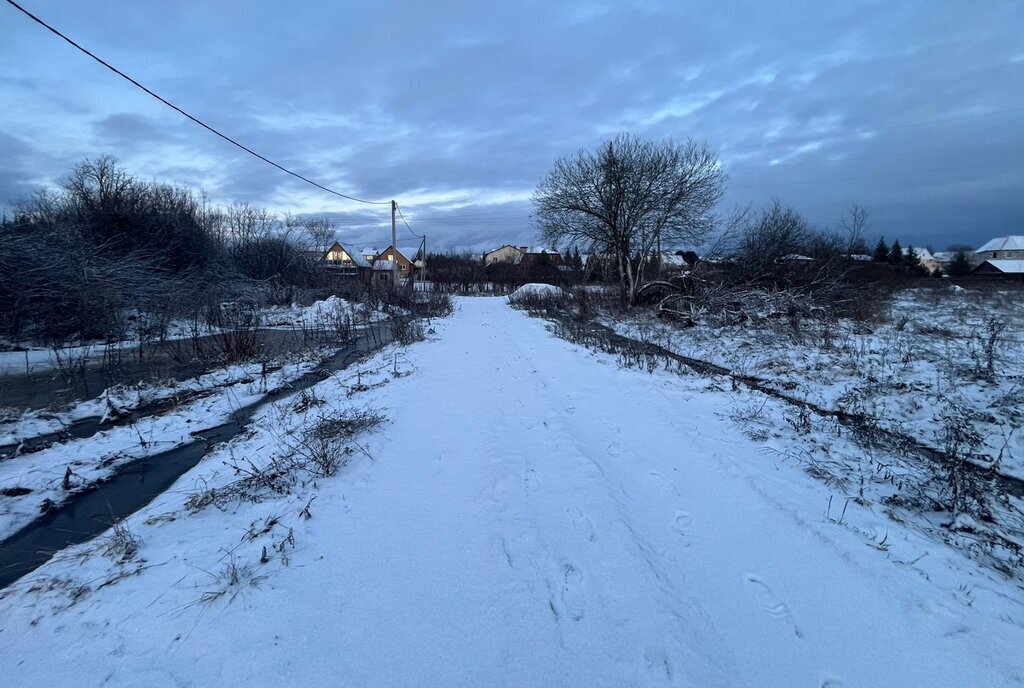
<point x="914" y="110"/>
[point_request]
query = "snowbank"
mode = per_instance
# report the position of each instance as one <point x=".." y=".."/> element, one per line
<point x="536" y="289"/>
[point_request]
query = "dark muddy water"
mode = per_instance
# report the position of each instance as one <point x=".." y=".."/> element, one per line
<point x="174" y="360"/>
<point x="136" y="484"/>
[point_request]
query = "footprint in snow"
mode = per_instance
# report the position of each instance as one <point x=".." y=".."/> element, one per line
<point x="573" y="592"/>
<point x="658" y="666"/>
<point x="681" y="524"/>
<point x="666" y="483"/>
<point x="772" y="605"/>
<point x="530" y="480"/>
<point x="583" y="525"/>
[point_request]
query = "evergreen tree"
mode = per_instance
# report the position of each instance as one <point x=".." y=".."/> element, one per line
<point x="881" y="253"/>
<point x="960" y="265"/>
<point x="896" y="253"/>
<point x="913" y="261"/>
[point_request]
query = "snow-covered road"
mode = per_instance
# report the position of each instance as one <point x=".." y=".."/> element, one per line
<point x="534" y="516"/>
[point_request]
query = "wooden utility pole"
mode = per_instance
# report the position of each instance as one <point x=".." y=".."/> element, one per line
<point x="394" y="247"/>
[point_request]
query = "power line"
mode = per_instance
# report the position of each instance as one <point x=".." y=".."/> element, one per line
<point x="399" y="209"/>
<point x="198" y="121"/>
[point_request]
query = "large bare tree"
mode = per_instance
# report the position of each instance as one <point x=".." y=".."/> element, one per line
<point x="629" y="197"/>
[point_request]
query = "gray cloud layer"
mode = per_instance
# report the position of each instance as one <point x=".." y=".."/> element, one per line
<point x="913" y="109"/>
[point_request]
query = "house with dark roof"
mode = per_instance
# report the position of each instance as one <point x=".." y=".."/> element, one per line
<point x="530" y="258"/>
<point x="1009" y="269"/>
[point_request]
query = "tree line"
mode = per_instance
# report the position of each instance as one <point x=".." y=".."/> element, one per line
<point x="629" y="199"/>
<point x="86" y="259"/>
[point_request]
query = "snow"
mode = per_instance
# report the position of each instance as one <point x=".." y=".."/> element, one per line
<point x="532" y="515"/>
<point x="209" y="401"/>
<point x="32" y="359"/>
<point x="904" y="372"/>
<point x="1015" y="267"/>
<point x="317" y="314"/>
<point x="1007" y="243"/>
<point x="536" y="289"/>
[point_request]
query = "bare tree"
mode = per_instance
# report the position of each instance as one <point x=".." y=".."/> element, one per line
<point x="321" y="233"/>
<point x="769" y="236"/>
<point x="853" y="224"/>
<point x="629" y="197"/>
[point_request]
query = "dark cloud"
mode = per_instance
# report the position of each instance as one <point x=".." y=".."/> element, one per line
<point x="457" y="108"/>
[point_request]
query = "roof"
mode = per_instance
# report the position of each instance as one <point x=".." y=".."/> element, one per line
<point x="924" y="254"/>
<point x="516" y="248"/>
<point x="404" y="253"/>
<point x="531" y="256"/>
<point x="1007" y="243"/>
<point x="1010" y="267"/>
<point x="357" y="258"/>
<point x="382" y="265"/>
<point x="672" y="259"/>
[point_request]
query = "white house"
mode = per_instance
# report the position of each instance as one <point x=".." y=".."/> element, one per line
<point x="929" y="261"/>
<point x="1002" y="248"/>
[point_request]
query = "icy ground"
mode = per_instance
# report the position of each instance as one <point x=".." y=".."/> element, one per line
<point x="532" y="515"/>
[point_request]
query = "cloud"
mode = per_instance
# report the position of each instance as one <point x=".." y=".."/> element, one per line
<point x="457" y="109"/>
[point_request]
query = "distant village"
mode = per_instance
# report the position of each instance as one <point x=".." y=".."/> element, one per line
<point x="999" y="258"/>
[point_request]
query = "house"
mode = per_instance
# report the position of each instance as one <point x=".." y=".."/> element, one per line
<point x="673" y="261"/>
<point x="529" y="258"/>
<point x="338" y="256"/>
<point x="929" y="261"/>
<point x="337" y="262"/>
<point x="1001" y="269"/>
<point x="504" y="254"/>
<point x="1002" y="248"/>
<point x="389" y="254"/>
<point x="382" y="272"/>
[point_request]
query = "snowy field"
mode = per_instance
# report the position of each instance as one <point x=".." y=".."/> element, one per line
<point x="530" y="514"/>
<point x="941" y="355"/>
